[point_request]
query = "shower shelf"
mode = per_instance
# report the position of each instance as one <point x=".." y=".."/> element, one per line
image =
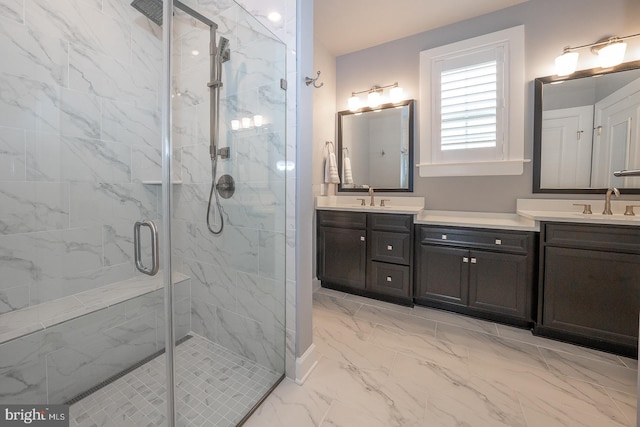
<point x="158" y="182"/>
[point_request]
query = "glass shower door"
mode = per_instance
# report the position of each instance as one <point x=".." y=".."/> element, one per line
<point x="80" y="162"/>
<point x="228" y="241"/>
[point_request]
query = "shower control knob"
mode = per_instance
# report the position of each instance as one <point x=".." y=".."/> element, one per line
<point x="226" y="186"/>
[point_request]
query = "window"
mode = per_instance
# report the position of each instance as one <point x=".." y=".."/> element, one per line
<point x="472" y="116"/>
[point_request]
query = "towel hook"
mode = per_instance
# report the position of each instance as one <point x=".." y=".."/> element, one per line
<point x="347" y="150"/>
<point x="330" y="146"/>
<point x="309" y="80"/>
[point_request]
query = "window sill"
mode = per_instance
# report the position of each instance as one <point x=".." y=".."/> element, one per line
<point x="492" y="168"/>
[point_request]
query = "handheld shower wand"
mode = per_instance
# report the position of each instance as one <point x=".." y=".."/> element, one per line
<point x="218" y="56"/>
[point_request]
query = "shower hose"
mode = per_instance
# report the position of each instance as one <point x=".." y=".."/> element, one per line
<point x="214" y="167"/>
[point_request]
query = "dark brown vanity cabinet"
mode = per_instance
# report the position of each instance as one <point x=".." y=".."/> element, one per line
<point x="367" y="254"/>
<point x="590" y="285"/>
<point x="488" y="273"/>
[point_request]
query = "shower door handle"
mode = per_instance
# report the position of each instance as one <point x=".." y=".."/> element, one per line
<point x="155" y="265"/>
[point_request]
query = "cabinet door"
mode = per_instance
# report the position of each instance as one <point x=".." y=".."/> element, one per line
<point x="498" y="283"/>
<point x="342" y="256"/>
<point x="593" y="293"/>
<point x="443" y="274"/>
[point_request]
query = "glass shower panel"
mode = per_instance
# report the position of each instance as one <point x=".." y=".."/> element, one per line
<point x="79" y="136"/>
<point x="233" y="353"/>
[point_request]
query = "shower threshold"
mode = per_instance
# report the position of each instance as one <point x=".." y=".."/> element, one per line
<point x="214" y="387"/>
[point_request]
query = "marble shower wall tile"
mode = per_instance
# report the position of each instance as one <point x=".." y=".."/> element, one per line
<point x="30" y="53"/>
<point x="99" y="203"/>
<point x="127" y="123"/>
<point x="12" y="154"/>
<point x="261" y="299"/>
<point x="236" y="248"/>
<point x="263" y="343"/>
<point x="72" y="370"/>
<point x="57" y="158"/>
<point x="82" y="24"/>
<point x="29" y="104"/>
<point x="272" y="256"/>
<point x="14" y="298"/>
<point x="33" y="206"/>
<point x="12" y="10"/>
<point x="214" y="285"/>
<point x="108" y="77"/>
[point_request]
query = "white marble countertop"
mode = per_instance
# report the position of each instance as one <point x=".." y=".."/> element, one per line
<point x="502" y="221"/>
<point x="393" y="204"/>
<point x="565" y="211"/>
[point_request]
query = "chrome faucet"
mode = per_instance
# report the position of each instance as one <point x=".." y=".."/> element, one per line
<point x="607" y="200"/>
<point x="372" y="202"/>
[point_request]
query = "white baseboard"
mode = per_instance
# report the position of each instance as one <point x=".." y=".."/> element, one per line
<point x="315" y="284"/>
<point x="305" y="364"/>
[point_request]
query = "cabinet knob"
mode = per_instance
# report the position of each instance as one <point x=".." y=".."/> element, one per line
<point x="498" y="242"/>
<point x="444" y="237"/>
<point x="362" y="238"/>
<point x="389" y="247"/>
<point x="389" y="278"/>
<point x="465" y="259"/>
<point x="474" y="261"/>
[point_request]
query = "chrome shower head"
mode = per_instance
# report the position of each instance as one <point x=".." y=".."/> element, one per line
<point x="223" y="49"/>
<point x="152" y="9"/>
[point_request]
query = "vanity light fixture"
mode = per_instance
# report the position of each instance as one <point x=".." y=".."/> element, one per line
<point x="247" y="122"/>
<point x="375" y="96"/>
<point x="610" y="50"/>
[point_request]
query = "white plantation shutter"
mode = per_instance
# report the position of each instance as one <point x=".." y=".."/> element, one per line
<point x="472" y="106"/>
<point x="468" y="113"/>
<point x="468" y="91"/>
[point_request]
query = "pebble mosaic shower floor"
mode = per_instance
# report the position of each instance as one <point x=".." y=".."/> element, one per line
<point x="214" y="387"/>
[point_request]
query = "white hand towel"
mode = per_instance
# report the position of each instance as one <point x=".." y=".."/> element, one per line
<point x="347" y="174"/>
<point x="331" y="170"/>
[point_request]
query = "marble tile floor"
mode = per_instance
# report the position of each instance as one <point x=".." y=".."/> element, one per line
<point x="214" y="388"/>
<point x="383" y="365"/>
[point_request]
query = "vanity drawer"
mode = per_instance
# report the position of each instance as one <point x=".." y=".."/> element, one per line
<point x="593" y="236"/>
<point x="391" y="247"/>
<point x="390" y="279"/>
<point x="342" y="219"/>
<point x="502" y="240"/>
<point x="391" y="222"/>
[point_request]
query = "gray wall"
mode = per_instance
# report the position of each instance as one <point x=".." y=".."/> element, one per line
<point x="550" y="25"/>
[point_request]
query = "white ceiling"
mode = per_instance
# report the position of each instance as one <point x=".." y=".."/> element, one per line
<point x="346" y="26"/>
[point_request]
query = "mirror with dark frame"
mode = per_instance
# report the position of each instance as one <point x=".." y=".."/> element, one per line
<point x="375" y="148"/>
<point x="586" y="128"/>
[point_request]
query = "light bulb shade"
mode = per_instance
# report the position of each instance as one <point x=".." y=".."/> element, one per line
<point x="235" y="124"/>
<point x="354" y="103"/>
<point x="612" y="54"/>
<point x="374" y="99"/>
<point x="566" y="63"/>
<point x="257" y="120"/>
<point x="396" y="94"/>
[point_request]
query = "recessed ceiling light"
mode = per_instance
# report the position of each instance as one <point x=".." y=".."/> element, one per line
<point x="195" y="52"/>
<point x="274" y="17"/>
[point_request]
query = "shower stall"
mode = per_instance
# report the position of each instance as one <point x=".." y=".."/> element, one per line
<point x="112" y="115"/>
